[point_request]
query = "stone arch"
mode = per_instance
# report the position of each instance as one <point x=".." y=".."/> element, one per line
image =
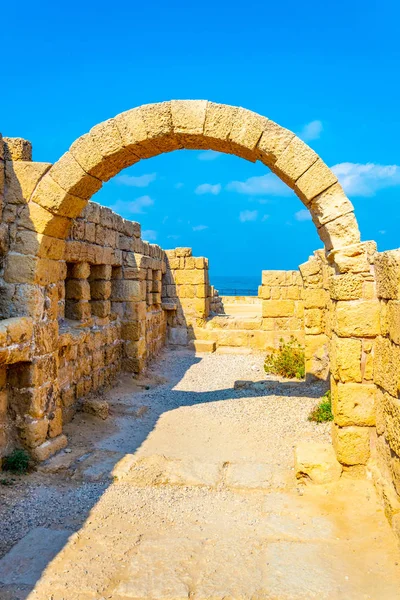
<point x="153" y="129"/>
<point x="64" y="189"/>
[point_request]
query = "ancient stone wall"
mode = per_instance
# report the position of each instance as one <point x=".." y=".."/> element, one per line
<point x="282" y="307"/>
<point x="186" y="287"/>
<point x="317" y="311"/>
<point x="386" y="455"/>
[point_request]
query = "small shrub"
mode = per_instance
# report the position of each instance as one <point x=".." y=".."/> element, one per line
<point x="323" y="411"/>
<point x="288" y="361"/>
<point x="17" y="462"/>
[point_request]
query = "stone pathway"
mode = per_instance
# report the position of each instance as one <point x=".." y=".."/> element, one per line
<point x="188" y="491"/>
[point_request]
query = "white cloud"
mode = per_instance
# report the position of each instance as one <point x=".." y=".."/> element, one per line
<point x="366" y="179"/>
<point x="263" y="184"/>
<point x="140" y="182"/>
<point x="149" y="235"/>
<point x="208" y="188"/>
<point x="265" y="217"/>
<point x="311" y="131"/>
<point x="248" y="215"/>
<point x="200" y="227"/>
<point x="303" y="215"/>
<point x="136" y="207"/>
<point x="179" y="185"/>
<point x="209" y="155"/>
<point x="382" y="231"/>
<point x="173" y="237"/>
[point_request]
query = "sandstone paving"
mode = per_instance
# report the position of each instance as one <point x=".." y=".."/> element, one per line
<point x="197" y="498"/>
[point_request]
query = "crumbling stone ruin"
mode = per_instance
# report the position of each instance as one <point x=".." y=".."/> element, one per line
<point x="84" y="297"/>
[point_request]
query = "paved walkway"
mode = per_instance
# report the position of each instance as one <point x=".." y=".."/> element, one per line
<point x="192" y="495"/>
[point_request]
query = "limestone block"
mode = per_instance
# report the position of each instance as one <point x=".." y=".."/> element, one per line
<point x="329" y="205"/>
<point x="77" y="289"/>
<point x="188" y="118"/>
<point x="108" y="140"/>
<point x="203" y="345"/>
<point x="317" y="356"/>
<point x="393" y="320"/>
<point x="273" y="142"/>
<point x="353" y="259"/>
<point x="77" y="310"/>
<point x="316" y="462"/>
<point x="346" y="287"/>
<point x="129" y="290"/>
<point x="50" y="195"/>
<point x="95" y="406"/>
<point x="314" y="321"/>
<point x="294" y="161"/>
<point x="20" y="268"/>
<point x="391" y="414"/>
<point x="340" y="232"/>
<point x="38" y="219"/>
<point x="183" y="252"/>
<point x="100" y="272"/>
<point x="351" y="444"/>
<point x="158" y="122"/>
<point x="21" y="179"/>
<point x="345" y="355"/>
<point x="192" y="277"/>
<point x="278" y="308"/>
<point x="200" y="263"/>
<point x="134" y="135"/>
<point x="387" y="273"/>
<point x="314" y="181"/>
<point x="245" y="133"/>
<point x="100" y="290"/>
<point x="70" y="176"/>
<point x="49" y="447"/>
<point x="33" y="432"/>
<point x="100" y="308"/>
<point x="353" y="403"/>
<point x="19" y="329"/>
<point x="87" y="154"/>
<point x="387" y="365"/>
<point x="273" y="278"/>
<point x="358" y="318"/>
<point x="17" y="149"/>
<point x="218" y="125"/>
<point x="55" y="423"/>
<point x="315" y="298"/>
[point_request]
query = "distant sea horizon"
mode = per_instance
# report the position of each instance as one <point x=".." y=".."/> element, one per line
<point x="236" y="285"/>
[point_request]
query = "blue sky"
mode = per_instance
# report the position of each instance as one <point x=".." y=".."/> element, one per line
<point x="328" y="71"/>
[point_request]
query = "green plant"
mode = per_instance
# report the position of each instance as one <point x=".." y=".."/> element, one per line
<point x="17" y="462"/>
<point x="323" y="411"/>
<point x="288" y="361"/>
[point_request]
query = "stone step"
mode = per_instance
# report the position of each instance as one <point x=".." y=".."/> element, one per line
<point x="202" y="345"/>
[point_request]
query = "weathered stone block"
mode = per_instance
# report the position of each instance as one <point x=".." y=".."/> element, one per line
<point x="387" y="273"/>
<point x="21" y="179"/>
<point x="346" y="287"/>
<point x="341" y="232"/>
<point x="314" y="181"/>
<point x="352" y="444"/>
<point x="294" y="161"/>
<point x="130" y="290"/>
<point x="345" y="356"/>
<point x="387" y="365"/>
<point x="188" y="118"/>
<point x="17" y="149"/>
<point x="278" y="308"/>
<point x="100" y="290"/>
<point x="69" y="175"/>
<point x="316" y="462"/>
<point x="80" y="270"/>
<point x="353" y="403"/>
<point x="315" y="298"/>
<point x="359" y="318"/>
<point x="329" y="205"/>
<point x="273" y="142"/>
<point x="48" y="448"/>
<point x="77" y="289"/>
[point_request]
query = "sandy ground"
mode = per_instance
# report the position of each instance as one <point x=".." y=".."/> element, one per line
<point x="187" y="490"/>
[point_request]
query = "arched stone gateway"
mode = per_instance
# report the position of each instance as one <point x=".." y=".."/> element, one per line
<point x="50" y="198"/>
<point x="153" y="129"/>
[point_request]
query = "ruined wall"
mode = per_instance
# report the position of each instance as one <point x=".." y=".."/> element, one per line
<point x="386" y="469"/>
<point x="317" y="312"/>
<point x="282" y="307"/>
<point x="186" y="287"/>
